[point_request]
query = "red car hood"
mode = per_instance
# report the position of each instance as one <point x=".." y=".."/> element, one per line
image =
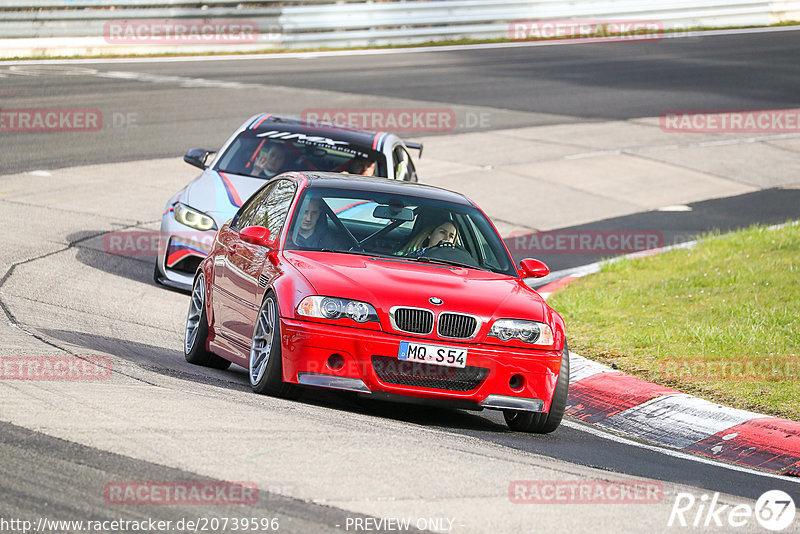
<point x="388" y="282"/>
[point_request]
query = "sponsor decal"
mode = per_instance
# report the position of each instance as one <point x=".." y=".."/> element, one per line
<point x="302" y="138"/>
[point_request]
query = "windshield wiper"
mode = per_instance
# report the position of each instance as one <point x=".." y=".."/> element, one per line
<point x="440" y="261"/>
<point x="356" y="252"/>
<point x="363" y="253"/>
<point x="240" y="173"/>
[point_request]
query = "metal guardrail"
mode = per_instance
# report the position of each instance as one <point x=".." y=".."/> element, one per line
<point x="64" y="27"/>
<point x="109" y="4"/>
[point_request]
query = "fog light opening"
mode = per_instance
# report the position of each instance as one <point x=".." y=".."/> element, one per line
<point x="517" y="382"/>
<point x="336" y="361"/>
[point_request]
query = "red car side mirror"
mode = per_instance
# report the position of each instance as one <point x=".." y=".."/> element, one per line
<point x="258" y="235"/>
<point x="531" y="268"/>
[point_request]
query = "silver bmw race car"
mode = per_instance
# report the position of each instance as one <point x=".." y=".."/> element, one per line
<point x="264" y="146"/>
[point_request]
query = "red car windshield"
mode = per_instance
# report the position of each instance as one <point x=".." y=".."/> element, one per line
<point x="390" y="225"/>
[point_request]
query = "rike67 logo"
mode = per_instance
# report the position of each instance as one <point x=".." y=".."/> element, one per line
<point x="774" y="510"/>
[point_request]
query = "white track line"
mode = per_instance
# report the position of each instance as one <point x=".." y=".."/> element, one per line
<point x="585" y="427"/>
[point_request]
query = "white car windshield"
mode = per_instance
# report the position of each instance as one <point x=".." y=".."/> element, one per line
<point x="262" y="157"/>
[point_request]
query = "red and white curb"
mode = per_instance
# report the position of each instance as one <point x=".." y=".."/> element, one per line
<point x="624" y="403"/>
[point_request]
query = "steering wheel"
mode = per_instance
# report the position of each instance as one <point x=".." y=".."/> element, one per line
<point x="446" y="250"/>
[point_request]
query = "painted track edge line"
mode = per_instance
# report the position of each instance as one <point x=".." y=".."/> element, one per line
<point x="383" y="51"/>
<point x="675" y="453"/>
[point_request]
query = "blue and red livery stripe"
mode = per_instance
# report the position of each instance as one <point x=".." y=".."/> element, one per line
<point x="258" y="121"/>
<point x="377" y="142"/>
<point x="233" y="196"/>
<point x="178" y="251"/>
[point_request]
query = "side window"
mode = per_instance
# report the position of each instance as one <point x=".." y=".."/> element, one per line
<point x="272" y="211"/>
<point x="492" y="257"/>
<point x="244" y="217"/>
<point x="403" y="166"/>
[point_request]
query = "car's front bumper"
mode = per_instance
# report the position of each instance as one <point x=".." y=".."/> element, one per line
<point x="180" y="250"/>
<point x="503" y="378"/>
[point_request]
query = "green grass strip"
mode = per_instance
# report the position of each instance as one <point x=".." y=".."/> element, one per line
<point x="720" y="320"/>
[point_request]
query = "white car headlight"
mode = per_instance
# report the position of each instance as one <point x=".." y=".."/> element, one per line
<point x="336" y="308"/>
<point x="526" y="331"/>
<point x="193" y="218"/>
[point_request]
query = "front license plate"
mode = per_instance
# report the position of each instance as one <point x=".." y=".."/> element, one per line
<point x="434" y="354"/>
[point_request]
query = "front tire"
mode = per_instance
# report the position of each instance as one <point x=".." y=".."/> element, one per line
<point x="196" y="335"/>
<point x="544" y="423"/>
<point x="266" y="365"/>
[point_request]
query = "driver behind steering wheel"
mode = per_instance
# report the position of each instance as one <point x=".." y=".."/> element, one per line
<point x="442" y="235"/>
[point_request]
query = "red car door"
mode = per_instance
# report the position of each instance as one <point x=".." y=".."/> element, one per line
<point x="244" y="262"/>
<point x="229" y="315"/>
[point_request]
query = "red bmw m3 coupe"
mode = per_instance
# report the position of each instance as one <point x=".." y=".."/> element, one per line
<point x="391" y="290"/>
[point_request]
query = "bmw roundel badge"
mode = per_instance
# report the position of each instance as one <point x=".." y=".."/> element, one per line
<point x="436" y="301"/>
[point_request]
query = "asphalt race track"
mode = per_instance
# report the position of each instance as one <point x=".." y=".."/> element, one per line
<point x="328" y="462"/>
<point x="519" y="86"/>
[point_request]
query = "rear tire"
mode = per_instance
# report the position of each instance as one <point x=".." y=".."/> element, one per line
<point x="266" y="364"/>
<point x="196" y="335"/>
<point x="544" y="423"/>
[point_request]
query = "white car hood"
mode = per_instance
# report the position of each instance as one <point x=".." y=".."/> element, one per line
<point x="219" y="195"/>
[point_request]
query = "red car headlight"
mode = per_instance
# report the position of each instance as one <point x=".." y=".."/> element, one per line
<point x="337" y="308"/>
<point x="527" y="331"/>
